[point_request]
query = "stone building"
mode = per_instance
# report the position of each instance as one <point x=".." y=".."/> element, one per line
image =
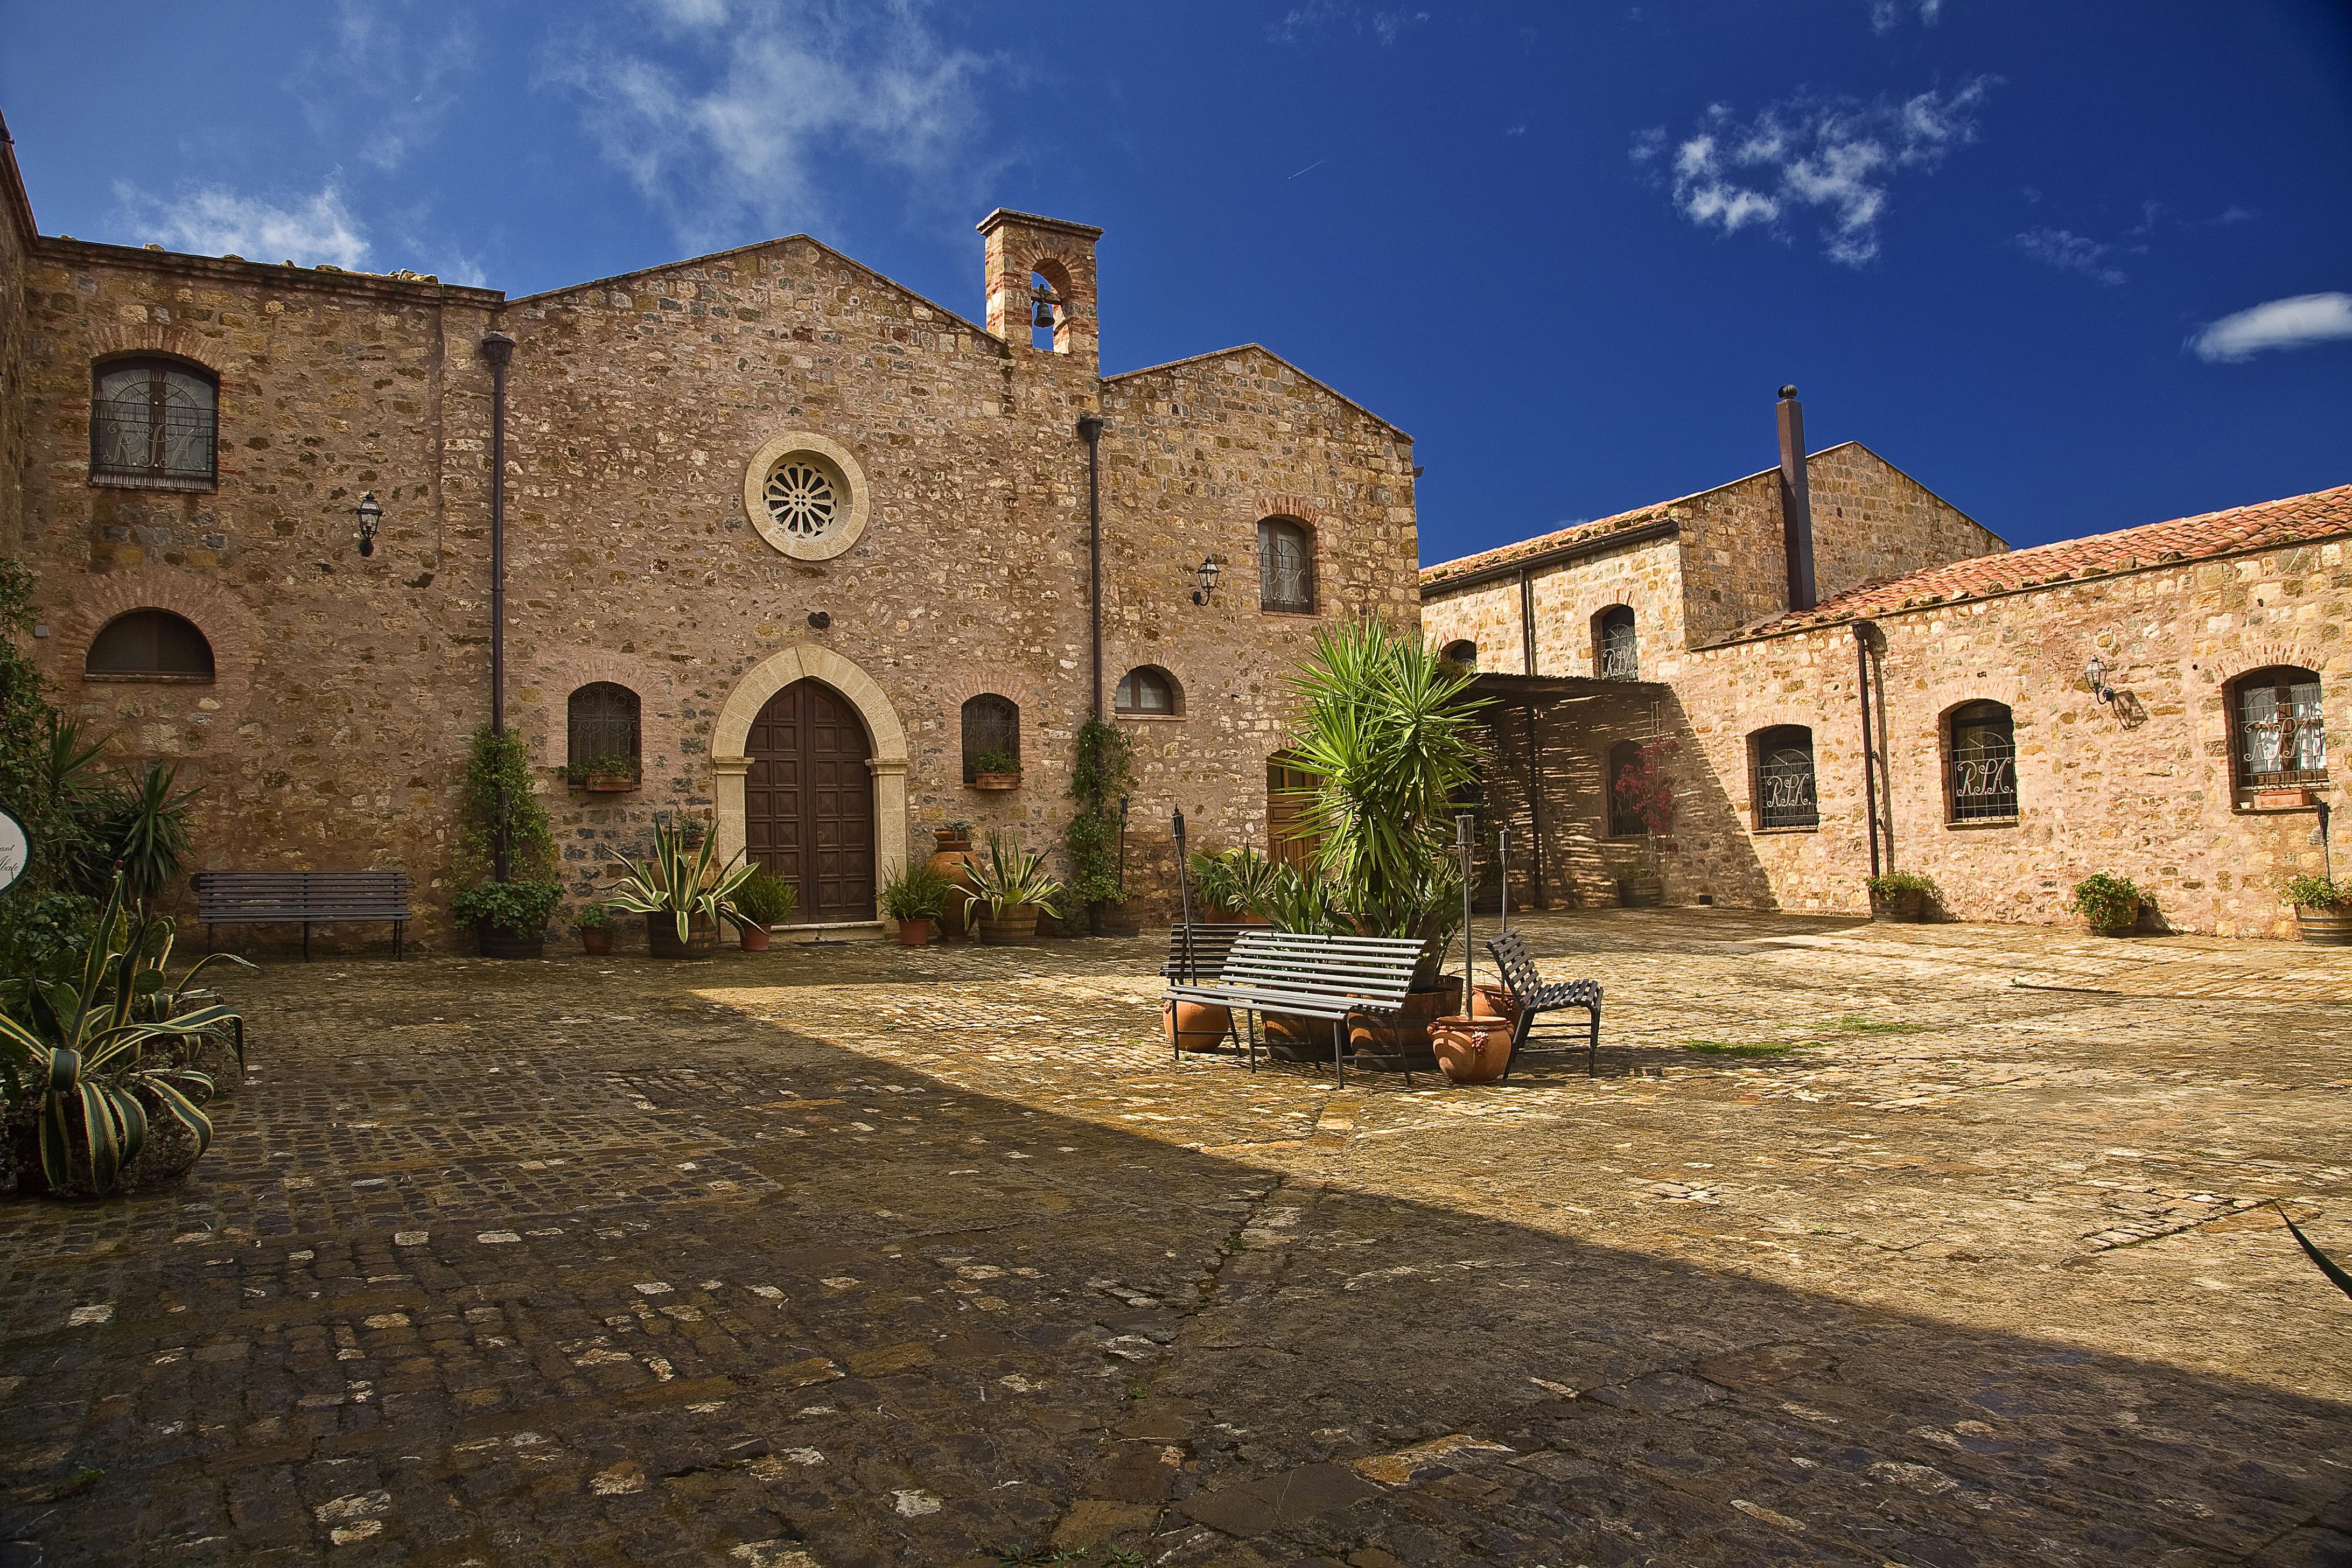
<point x="794" y="543"/>
<point x="2152" y="702"/>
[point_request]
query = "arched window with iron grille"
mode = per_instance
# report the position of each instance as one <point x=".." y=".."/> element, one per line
<point x="601" y="725"/>
<point x="1285" y="566"/>
<point x="1616" y="650"/>
<point x="1980" y="763"/>
<point x="1463" y="655"/>
<point x="154" y="422"/>
<point x="992" y="735"/>
<point x="2277" y="737"/>
<point x="1786" y="795"/>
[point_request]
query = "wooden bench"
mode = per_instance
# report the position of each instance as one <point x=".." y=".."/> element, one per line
<point x="1326" y="978"/>
<point x="306" y="898"/>
<point x="1535" y="994"/>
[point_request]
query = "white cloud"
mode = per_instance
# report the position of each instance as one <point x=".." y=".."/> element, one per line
<point x="1301" y="22"/>
<point x="382" y="90"/>
<point x="2290" y="323"/>
<point x="1886" y="15"/>
<point x="2071" y="252"/>
<point x="1834" y="157"/>
<point x="210" y="220"/>
<point x="761" y="103"/>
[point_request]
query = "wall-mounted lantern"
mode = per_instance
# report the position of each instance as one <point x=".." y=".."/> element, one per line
<point x="370" y="515"/>
<point x="1206" y="573"/>
<point x="2095" y="672"/>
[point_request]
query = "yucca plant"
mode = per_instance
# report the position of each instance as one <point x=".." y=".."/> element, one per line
<point x="88" y="1046"/>
<point x="683" y="878"/>
<point x="1011" y="877"/>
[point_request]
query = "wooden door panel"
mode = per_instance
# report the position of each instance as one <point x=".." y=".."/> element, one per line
<point x="808" y="801"/>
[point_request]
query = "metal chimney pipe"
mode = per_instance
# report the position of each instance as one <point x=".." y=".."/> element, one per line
<point x="1796" y="502"/>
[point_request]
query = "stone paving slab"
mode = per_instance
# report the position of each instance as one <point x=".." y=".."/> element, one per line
<point x="857" y="1255"/>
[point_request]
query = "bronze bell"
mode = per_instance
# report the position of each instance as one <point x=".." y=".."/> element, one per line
<point x="1045" y="310"/>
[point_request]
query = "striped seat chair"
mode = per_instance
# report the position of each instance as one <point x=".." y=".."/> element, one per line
<point x="1535" y="995"/>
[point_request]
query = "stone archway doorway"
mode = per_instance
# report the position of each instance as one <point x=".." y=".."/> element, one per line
<point x="808" y="801"/>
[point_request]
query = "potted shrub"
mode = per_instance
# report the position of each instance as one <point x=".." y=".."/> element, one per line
<point x="595" y="926"/>
<point x="1011" y="887"/>
<point x="2321" y="913"/>
<point x="762" y="900"/>
<point x="505" y="852"/>
<point x="681" y="888"/>
<point x="995" y="769"/>
<point x="2109" y="905"/>
<point x="604" y="776"/>
<point x="913" y="894"/>
<point x="1900" y="896"/>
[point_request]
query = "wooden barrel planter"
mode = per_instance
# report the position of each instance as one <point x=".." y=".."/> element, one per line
<point x="1402" y="1043"/>
<point x="497" y="942"/>
<point x="2328" y="927"/>
<point x="661" y="937"/>
<point x="1014" y="926"/>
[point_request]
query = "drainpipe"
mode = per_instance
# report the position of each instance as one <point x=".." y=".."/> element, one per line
<point x="498" y="349"/>
<point x="1527" y="622"/>
<point x="1863" y="632"/>
<point x="1090" y="429"/>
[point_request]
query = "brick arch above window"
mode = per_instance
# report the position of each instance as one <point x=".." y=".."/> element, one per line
<point x="112" y="343"/>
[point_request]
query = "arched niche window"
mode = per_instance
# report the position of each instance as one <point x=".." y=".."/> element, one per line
<point x="601" y="730"/>
<point x="1616" y="651"/>
<point x="1624" y="762"/>
<point x="1464" y="654"/>
<point x="1785" y="795"/>
<point x="1980" y="769"/>
<point x="992" y="736"/>
<point x="1285" y="566"/>
<point x="2278" y="738"/>
<point x="1049" y="305"/>
<point x="1147" y="692"/>
<point x="153" y="422"/>
<point x="149" y="644"/>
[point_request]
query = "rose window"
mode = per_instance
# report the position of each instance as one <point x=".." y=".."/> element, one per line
<point x="802" y="498"/>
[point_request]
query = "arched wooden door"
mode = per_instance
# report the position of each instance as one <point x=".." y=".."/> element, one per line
<point x="808" y="801"/>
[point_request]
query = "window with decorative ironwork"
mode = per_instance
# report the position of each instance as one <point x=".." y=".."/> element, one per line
<point x="992" y="736"/>
<point x="1980" y="770"/>
<point x="1285" y="566"/>
<point x="601" y="725"/>
<point x="2278" y="736"/>
<point x="1462" y="654"/>
<point x="149" y="644"/>
<point x="1785" y="794"/>
<point x="1147" y="693"/>
<point x="1624" y="814"/>
<point x="153" y="422"/>
<point x="1616" y="651"/>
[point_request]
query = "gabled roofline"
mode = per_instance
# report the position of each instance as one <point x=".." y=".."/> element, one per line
<point x="1260" y="348"/>
<point x="741" y="249"/>
<point x="1574" y="549"/>
<point x="333" y="280"/>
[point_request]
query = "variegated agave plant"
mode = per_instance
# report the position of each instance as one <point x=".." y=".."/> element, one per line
<point x="96" y="1049"/>
<point x="1012" y="878"/>
<point x="682" y="878"/>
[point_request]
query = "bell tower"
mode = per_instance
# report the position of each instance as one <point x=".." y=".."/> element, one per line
<point x="1041" y="285"/>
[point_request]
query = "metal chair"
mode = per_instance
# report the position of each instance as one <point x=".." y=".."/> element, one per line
<point x="1536" y="995"/>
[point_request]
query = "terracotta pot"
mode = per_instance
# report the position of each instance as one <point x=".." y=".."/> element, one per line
<point x="1116" y="919"/>
<point x="1472" y="1050"/>
<point x="1014" y="926"/>
<point x="1496" y="1002"/>
<point x="1404" y="1041"/>
<point x="1910" y="905"/>
<point x="755" y="938"/>
<point x="2330" y="928"/>
<point x="497" y="944"/>
<point x="1195" y="1026"/>
<point x="596" y="940"/>
<point x="996" y="781"/>
<point x="661" y="938"/>
<point x="952" y="860"/>
<point x="914" y="931"/>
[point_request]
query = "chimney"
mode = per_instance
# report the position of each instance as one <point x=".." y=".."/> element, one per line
<point x="1796" y="502"/>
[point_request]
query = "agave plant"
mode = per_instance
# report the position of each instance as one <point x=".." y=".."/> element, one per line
<point x="89" y="1046"/>
<point x="1012" y="878"/>
<point x="683" y="878"/>
<point x="1300" y="902"/>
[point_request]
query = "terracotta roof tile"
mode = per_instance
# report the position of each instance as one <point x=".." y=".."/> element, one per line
<point x="2292" y="521"/>
<point x="1543" y="543"/>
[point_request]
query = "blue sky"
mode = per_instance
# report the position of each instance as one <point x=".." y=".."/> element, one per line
<point x="2074" y="267"/>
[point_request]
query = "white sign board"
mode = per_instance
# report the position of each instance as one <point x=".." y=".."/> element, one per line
<point x="13" y="849"/>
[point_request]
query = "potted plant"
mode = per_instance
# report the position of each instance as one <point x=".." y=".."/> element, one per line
<point x="2321" y="913"/>
<point x="1648" y="794"/>
<point x="1473" y="1049"/>
<point x="1095" y="841"/>
<point x="2110" y="906"/>
<point x="1234" y="886"/>
<point x="953" y="859"/>
<point x="594" y="923"/>
<point x="681" y="888"/>
<point x="505" y="852"/>
<point x="1012" y="886"/>
<point x="1900" y="896"/>
<point x="763" y="900"/>
<point x="994" y="768"/>
<point x="604" y="776"/>
<point x="913" y="894"/>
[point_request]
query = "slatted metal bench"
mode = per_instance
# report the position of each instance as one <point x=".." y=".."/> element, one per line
<point x="1536" y="995"/>
<point x="1329" y="979"/>
<point x="304" y="898"/>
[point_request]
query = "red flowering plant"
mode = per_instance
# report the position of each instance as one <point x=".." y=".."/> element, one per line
<point x="1646" y="795"/>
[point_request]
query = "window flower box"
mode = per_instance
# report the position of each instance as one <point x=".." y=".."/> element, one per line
<point x="2285" y="797"/>
<point x="996" y="781"/>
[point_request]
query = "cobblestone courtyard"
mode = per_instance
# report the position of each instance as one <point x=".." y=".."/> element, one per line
<point x="855" y="1255"/>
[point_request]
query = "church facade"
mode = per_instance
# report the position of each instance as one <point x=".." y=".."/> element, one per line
<point x="785" y="545"/>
